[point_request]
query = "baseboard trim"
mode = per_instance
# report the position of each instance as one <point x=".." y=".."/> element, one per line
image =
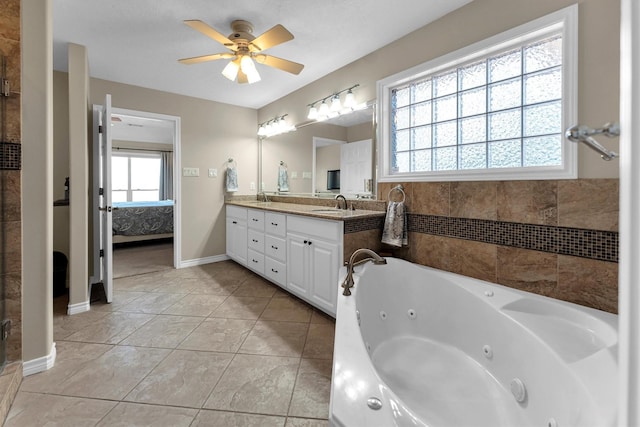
<point x="80" y="307"/>
<point x="202" y="261"/>
<point x="40" y="364"/>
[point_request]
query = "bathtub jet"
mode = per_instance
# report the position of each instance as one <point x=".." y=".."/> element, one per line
<point x="416" y="346"/>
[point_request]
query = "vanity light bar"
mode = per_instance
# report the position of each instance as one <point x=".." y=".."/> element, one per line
<point x="330" y="106"/>
<point x="275" y="126"/>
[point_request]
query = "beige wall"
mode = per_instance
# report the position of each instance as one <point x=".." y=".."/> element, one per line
<point x="211" y="133"/>
<point x="598" y="85"/>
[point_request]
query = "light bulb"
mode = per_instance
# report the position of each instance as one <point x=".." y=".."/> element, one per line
<point x="335" y="103"/>
<point x="324" y="109"/>
<point x="249" y="69"/>
<point x="313" y="113"/>
<point x="231" y="70"/>
<point x="349" y="100"/>
<point x="261" y="131"/>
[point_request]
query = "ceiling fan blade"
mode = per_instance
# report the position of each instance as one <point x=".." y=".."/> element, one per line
<point x="242" y="77"/>
<point x="282" y="64"/>
<point x="208" y="31"/>
<point x="272" y="37"/>
<point x="205" y="58"/>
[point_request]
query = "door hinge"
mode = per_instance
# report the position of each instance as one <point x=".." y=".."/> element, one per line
<point x="101" y="252"/>
<point x="5" y="329"/>
<point x="99" y="128"/>
<point x="101" y="191"/>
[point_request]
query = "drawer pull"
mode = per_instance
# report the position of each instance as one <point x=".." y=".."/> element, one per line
<point x="274" y="247"/>
<point x="254" y="241"/>
<point x="275" y="271"/>
<point x="309" y="242"/>
<point x="235" y="222"/>
<point x="306" y="242"/>
<point x="274" y="224"/>
<point x="254" y="219"/>
<point x="254" y="260"/>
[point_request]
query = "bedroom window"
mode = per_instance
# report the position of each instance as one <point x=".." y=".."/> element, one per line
<point x="135" y="177"/>
<point x="493" y="110"/>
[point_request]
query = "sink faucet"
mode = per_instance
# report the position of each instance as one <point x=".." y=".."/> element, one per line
<point x="344" y="202"/>
<point x="347" y="284"/>
<point x="264" y="196"/>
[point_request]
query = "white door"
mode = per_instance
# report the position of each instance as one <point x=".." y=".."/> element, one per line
<point x="103" y="248"/>
<point x="355" y="167"/>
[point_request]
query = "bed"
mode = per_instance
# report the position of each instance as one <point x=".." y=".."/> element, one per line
<point x="136" y="221"/>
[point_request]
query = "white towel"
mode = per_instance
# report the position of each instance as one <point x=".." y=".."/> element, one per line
<point x="231" y="179"/>
<point x="283" y="179"/>
<point x="395" y="225"/>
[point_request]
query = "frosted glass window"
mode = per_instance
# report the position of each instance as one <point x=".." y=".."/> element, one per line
<point x="499" y="105"/>
<point x="473" y="156"/>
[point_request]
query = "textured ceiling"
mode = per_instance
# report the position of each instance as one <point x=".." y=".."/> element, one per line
<point x="138" y="42"/>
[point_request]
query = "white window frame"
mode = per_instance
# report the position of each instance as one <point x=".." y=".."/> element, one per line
<point x="128" y="155"/>
<point x="565" y="20"/>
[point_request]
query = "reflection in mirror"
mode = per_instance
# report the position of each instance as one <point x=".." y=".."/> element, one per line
<point x="345" y="143"/>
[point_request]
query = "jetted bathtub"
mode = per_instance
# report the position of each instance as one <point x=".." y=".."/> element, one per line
<point x="416" y="346"/>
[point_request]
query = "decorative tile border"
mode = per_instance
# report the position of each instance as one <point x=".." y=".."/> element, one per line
<point x="363" y="224"/>
<point x="10" y="156"/>
<point x="594" y="244"/>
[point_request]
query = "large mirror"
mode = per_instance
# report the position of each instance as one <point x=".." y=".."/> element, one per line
<point x="323" y="159"/>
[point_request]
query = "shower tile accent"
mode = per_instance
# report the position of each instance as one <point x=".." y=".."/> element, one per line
<point x="364" y="224"/>
<point x="10" y="156"/>
<point x="589" y="203"/>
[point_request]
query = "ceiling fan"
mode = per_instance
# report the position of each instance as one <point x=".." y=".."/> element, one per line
<point x="245" y="48"/>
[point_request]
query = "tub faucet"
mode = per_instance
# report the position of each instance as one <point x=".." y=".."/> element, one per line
<point x="347" y="284"/>
<point x="340" y="205"/>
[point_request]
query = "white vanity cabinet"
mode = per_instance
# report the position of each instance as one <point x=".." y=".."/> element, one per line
<point x="255" y="240"/>
<point x="298" y="253"/>
<point x="237" y="234"/>
<point x="314" y="248"/>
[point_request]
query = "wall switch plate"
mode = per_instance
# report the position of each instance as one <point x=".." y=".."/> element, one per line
<point x="190" y="172"/>
<point x="306" y="175"/>
<point x="294" y="175"/>
<point x="252" y="186"/>
<point x="213" y="173"/>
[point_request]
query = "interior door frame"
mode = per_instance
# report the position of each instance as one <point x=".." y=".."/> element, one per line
<point x="177" y="231"/>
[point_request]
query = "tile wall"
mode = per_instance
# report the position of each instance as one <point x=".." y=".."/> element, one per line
<point x="10" y="176"/>
<point x="555" y="238"/>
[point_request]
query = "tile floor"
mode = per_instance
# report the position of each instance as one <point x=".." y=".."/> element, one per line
<point x="214" y="345"/>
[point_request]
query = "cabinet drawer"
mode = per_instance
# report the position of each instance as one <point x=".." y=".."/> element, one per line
<point x="255" y="261"/>
<point x="236" y="212"/>
<point x="275" y="247"/>
<point x="255" y="240"/>
<point x="276" y="271"/>
<point x="275" y="224"/>
<point x="325" y="229"/>
<point x="255" y="219"/>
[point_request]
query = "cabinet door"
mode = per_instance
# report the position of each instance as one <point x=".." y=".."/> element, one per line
<point x="237" y="240"/>
<point x="323" y="274"/>
<point x="297" y="265"/>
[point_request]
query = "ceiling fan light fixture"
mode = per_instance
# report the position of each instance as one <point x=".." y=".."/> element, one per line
<point x="231" y="70"/>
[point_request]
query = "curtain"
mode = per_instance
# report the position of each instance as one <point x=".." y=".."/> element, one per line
<point x="166" y="175"/>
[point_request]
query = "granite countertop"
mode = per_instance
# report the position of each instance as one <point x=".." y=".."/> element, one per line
<point x="324" y="212"/>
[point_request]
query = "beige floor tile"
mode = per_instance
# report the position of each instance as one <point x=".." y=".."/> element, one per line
<point x="241" y="307"/>
<point x="35" y="409"/>
<point x="208" y="418"/>
<point x="140" y="283"/>
<point x="306" y="422"/>
<point x="179" y="285"/>
<point x="112" y="328"/>
<point x="137" y="415"/>
<point x="70" y="357"/>
<point x="196" y="305"/>
<point x="208" y="286"/>
<point x="276" y="339"/>
<point x="163" y="331"/>
<point x="65" y="325"/>
<point x="139" y="259"/>
<point x="114" y="374"/>
<point x="319" y="317"/>
<point x="287" y="309"/>
<point x="312" y="390"/>
<point x="256" y="384"/>
<point x="226" y="335"/>
<point x="255" y="286"/>
<point x="184" y="378"/>
<point x="153" y="302"/>
<point x="319" y="344"/>
<point x="120" y="299"/>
